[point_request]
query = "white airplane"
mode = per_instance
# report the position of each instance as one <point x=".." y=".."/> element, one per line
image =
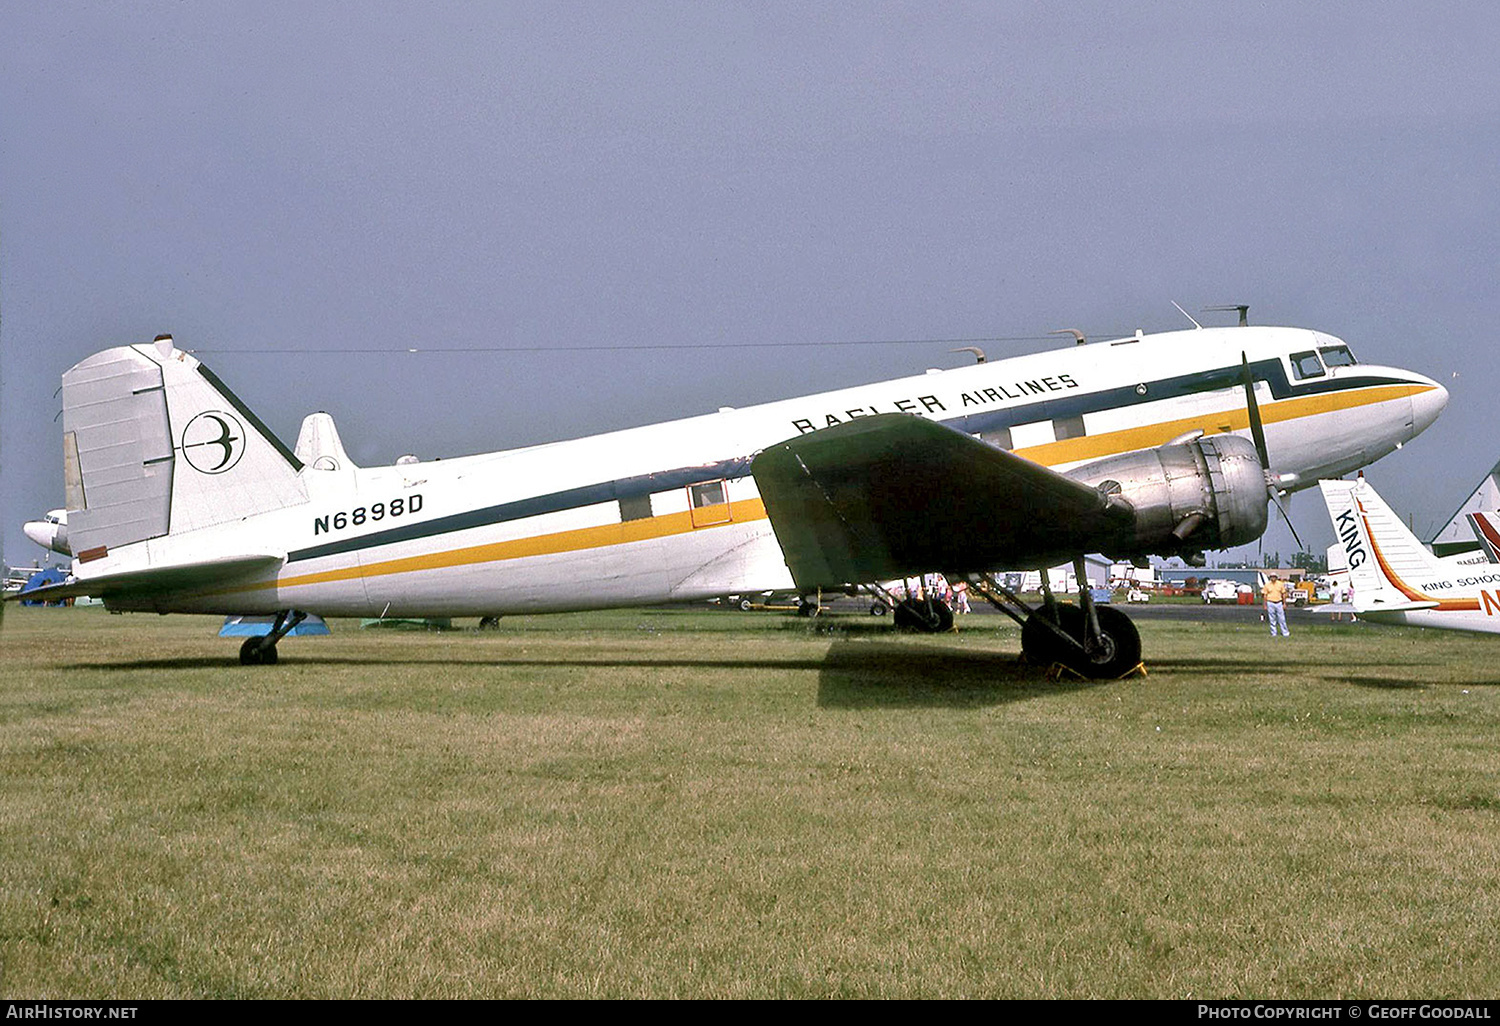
<point x="1397" y="581"/>
<point x="50" y="532"/>
<point x="178" y="498"/>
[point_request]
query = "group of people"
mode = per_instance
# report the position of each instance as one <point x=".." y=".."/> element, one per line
<point x="955" y="596"/>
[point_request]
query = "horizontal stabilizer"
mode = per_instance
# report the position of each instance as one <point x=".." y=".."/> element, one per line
<point x="893" y="495"/>
<point x="144" y="584"/>
<point x="1380" y="605"/>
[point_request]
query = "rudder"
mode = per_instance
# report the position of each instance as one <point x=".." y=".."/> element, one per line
<point x="1382" y="554"/>
<point x="154" y="443"/>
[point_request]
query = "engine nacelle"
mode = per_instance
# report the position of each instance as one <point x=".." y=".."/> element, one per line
<point x="1207" y="493"/>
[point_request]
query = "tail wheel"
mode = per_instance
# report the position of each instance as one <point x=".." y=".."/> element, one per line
<point x="251" y="654"/>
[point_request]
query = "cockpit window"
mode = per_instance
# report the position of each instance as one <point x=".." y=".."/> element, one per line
<point x="1306" y="365"/>
<point x="1337" y="356"/>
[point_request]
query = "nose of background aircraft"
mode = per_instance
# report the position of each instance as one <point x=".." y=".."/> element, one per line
<point x="45" y="535"/>
<point x="1426" y="404"/>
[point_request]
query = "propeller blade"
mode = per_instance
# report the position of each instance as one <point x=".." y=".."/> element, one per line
<point x="1257" y="429"/>
<point x="1258" y="433"/>
<point x="1287" y="518"/>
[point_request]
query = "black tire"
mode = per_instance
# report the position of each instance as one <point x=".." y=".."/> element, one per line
<point x="808" y="608"/>
<point x="878" y="609"/>
<point x="489" y="623"/>
<point x="1120" y="653"/>
<point x="746" y="605"/>
<point x="251" y="654"/>
<point x="926" y="616"/>
<point x="1040" y="645"/>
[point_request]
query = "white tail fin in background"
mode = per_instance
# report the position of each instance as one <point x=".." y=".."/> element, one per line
<point x="154" y="443"/>
<point x="1486" y="528"/>
<point x="1385" y="559"/>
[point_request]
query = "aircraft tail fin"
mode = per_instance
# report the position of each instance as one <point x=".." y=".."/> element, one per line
<point x="1486" y="528"/>
<point x="154" y="443"/>
<point x="318" y="444"/>
<point x="1384" y="557"/>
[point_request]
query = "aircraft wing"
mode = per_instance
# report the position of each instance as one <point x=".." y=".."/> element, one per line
<point x="157" y="580"/>
<point x="894" y="495"/>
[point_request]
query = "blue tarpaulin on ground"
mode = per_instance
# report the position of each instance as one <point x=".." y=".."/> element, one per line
<point x="49" y="575"/>
<point x="260" y="626"/>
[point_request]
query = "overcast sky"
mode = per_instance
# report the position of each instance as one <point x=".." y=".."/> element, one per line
<point x="318" y="178"/>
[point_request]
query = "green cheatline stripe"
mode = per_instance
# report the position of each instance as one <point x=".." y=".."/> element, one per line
<point x="553" y="502"/>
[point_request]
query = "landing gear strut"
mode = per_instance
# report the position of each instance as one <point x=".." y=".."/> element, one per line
<point x="261" y="651"/>
<point x="927" y="615"/>
<point x="810" y="605"/>
<point x="1094" y="641"/>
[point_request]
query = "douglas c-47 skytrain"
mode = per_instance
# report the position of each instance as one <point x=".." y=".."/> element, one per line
<point x="180" y="500"/>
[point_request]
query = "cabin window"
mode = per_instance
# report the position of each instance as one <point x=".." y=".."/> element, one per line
<point x="635" y="507"/>
<point x="1337" y="356"/>
<point x="708" y="504"/>
<point x="1306" y="365"/>
<point x="1068" y="427"/>
<point x="710" y="493"/>
<point x="1024" y="436"/>
<point x="999" y="437"/>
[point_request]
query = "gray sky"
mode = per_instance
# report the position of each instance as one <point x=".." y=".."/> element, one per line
<point x="316" y="177"/>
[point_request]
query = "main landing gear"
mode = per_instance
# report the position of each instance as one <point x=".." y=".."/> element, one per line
<point x="1093" y="641"/>
<point x="261" y="651"/>
<point x="926" y="615"/>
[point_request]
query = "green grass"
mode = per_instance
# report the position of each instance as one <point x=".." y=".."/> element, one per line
<point x="685" y="803"/>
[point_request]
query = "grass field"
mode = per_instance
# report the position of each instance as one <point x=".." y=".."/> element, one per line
<point x="695" y="803"/>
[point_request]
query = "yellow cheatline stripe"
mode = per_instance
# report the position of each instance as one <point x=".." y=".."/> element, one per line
<point x="1109" y="443"/>
<point x="539" y="545"/>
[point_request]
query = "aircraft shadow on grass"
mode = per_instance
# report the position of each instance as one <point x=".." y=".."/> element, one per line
<point x="1290" y="663"/>
<point x="863" y="668"/>
<point x="298" y="659"/>
<point x="872" y="674"/>
<point x="1394" y="684"/>
<point x="857" y="673"/>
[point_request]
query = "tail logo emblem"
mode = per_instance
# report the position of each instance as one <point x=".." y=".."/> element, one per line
<point x="213" y="442"/>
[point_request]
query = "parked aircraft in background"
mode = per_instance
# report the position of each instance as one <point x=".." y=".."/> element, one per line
<point x="180" y="499"/>
<point x="1397" y="581"/>
<point x="50" y="532"/>
<point x="1457" y="535"/>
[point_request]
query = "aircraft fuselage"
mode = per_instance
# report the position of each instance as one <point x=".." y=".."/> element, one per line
<point x="671" y="512"/>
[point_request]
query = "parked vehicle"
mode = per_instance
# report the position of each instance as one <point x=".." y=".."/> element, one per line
<point x="1220" y="591"/>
